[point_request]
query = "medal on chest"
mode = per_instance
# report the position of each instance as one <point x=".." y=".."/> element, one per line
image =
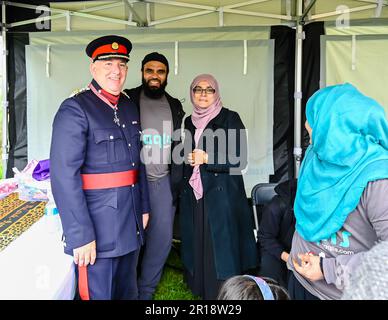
<point x="116" y="119"/>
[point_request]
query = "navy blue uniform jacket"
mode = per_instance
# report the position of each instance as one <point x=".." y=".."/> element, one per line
<point x="86" y="140"/>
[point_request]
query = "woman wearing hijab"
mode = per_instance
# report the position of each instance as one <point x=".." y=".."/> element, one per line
<point x="341" y="204"/>
<point x="215" y="218"/>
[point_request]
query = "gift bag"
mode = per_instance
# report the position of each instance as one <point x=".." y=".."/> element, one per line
<point x="30" y="189"/>
<point x="7" y="186"/>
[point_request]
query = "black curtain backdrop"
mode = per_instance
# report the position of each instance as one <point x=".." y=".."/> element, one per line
<point x="310" y="69"/>
<point x="17" y="97"/>
<point x="284" y="84"/>
<point x="284" y="70"/>
<point x="17" y="39"/>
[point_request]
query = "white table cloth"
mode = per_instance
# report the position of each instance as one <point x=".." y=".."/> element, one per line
<point x="34" y="266"/>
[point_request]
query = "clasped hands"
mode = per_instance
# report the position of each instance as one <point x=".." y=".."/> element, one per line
<point x="310" y="266"/>
<point x="197" y="157"/>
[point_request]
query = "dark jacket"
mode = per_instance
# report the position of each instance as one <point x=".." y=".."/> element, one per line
<point x="177" y="117"/>
<point x="225" y="201"/>
<point x="278" y="221"/>
<point x="85" y="140"/>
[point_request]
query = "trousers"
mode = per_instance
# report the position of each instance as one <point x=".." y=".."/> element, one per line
<point x="109" y="278"/>
<point x="158" y="237"/>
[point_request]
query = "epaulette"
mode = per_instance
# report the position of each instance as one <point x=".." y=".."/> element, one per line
<point x="78" y="91"/>
<point x="125" y="94"/>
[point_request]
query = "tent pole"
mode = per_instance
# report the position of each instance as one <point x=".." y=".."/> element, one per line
<point x="4" y="143"/>
<point x="299" y="37"/>
<point x="298" y="88"/>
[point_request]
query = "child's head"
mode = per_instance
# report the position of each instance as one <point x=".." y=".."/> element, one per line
<point x="247" y="287"/>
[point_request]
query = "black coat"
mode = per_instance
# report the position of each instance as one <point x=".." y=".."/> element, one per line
<point x="177" y="117"/>
<point x="225" y="201"/>
<point x="277" y="224"/>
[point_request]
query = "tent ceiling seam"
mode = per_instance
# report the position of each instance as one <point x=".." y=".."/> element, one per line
<point x="176" y="58"/>
<point x="48" y="60"/>
<point x="354" y="52"/>
<point x="245" y="70"/>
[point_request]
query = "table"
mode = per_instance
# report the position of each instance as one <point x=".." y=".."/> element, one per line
<point x="34" y="266"/>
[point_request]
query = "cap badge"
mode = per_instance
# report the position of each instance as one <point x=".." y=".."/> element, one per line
<point x="115" y="45"/>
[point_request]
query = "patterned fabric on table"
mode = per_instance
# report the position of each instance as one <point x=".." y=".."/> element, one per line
<point x="16" y="216"/>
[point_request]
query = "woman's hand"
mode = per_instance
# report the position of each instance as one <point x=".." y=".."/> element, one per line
<point x="197" y="157"/>
<point x="284" y="256"/>
<point x="310" y="266"/>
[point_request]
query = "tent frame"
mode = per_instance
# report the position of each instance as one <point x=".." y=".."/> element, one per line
<point x="134" y="20"/>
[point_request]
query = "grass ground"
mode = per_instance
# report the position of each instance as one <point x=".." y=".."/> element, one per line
<point x="172" y="286"/>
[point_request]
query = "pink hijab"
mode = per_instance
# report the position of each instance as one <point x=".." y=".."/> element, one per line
<point x="200" y="118"/>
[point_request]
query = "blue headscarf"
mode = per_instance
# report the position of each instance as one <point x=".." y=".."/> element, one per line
<point x="349" y="148"/>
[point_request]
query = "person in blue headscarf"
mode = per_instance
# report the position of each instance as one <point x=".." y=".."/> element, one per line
<point x="341" y="204"/>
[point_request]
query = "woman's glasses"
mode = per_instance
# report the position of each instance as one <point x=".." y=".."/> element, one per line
<point x="199" y="90"/>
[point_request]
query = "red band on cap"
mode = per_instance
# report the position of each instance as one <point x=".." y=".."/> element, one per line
<point x="107" y="48"/>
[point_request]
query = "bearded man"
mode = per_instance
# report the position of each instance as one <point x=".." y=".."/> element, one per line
<point x="160" y="116"/>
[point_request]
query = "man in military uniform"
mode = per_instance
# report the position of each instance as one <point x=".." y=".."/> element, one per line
<point x="161" y="118"/>
<point x="98" y="181"/>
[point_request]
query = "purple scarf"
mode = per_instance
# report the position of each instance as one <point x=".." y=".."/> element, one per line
<point x="42" y="170"/>
<point x="200" y="118"/>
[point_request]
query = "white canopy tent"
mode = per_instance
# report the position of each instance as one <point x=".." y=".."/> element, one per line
<point x="121" y="15"/>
